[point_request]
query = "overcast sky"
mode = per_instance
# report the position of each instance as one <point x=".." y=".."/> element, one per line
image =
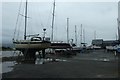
<point x="94" y="16"/>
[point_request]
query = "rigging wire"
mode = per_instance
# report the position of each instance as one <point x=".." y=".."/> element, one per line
<point x="49" y="17"/>
<point x="17" y="19"/>
<point x="34" y="20"/>
<point x="48" y="22"/>
<point x="19" y="27"/>
<point x="20" y="23"/>
<point x="41" y="23"/>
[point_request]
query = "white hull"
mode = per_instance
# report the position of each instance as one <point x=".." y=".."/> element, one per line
<point x="32" y="45"/>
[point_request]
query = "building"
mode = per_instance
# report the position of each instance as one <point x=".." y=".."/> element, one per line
<point x="101" y="43"/>
<point x="97" y="42"/>
<point x="110" y="43"/>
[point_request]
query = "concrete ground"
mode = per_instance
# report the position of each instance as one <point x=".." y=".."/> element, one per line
<point x="93" y="64"/>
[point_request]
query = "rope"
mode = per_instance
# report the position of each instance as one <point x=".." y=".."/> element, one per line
<point x="19" y="28"/>
<point x="49" y="17"/>
<point x="41" y="23"/>
<point x="20" y="23"/>
<point x="17" y="20"/>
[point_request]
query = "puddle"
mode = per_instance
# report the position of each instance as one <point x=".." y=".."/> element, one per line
<point x="99" y="76"/>
<point x="104" y="60"/>
<point x="42" y="61"/>
<point x="10" y="53"/>
<point x="7" y="66"/>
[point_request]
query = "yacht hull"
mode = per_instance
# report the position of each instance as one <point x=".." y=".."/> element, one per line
<point x="31" y="45"/>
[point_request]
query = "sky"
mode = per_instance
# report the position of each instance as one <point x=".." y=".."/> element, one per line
<point x="94" y="16"/>
<point x="0" y="23"/>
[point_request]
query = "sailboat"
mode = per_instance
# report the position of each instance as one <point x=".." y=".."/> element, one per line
<point x="34" y="43"/>
<point x="58" y="44"/>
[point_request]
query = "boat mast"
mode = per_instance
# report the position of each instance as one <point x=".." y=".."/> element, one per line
<point x="53" y="20"/>
<point x="81" y="36"/>
<point x="116" y="37"/>
<point x="75" y="35"/>
<point x="94" y="34"/>
<point x="118" y="29"/>
<point x="84" y="35"/>
<point x="67" y="30"/>
<point x="25" y="20"/>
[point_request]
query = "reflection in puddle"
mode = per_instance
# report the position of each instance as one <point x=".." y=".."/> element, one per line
<point x="99" y="76"/>
<point x="7" y="66"/>
<point x="42" y="61"/>
<point x="104" y="60"/>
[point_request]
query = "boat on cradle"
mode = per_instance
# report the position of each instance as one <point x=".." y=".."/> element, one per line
<point x="34" y="42"/>
<point x="28" y="44"/>
<point x="31" y="43"/>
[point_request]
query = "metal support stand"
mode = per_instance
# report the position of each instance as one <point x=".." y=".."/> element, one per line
<point x="29" y="56"/>
<point x="43" y="53"/>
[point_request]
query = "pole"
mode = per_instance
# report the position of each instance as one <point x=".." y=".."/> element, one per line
<point x="67" y="30"/>
<point x="25" y="21"/>
<point x="44" y="34"/>
<point x="53" y="20"/>
<point x="84" y="35"/>
<point x="94" y="34"/>
<point x="75" y="36"/>
<point x="81" y="36"/>
<point x="118" y="29"/>
<point x="116" y="37"/>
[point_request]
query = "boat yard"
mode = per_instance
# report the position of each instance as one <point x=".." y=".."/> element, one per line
<point x="61" y="55"/>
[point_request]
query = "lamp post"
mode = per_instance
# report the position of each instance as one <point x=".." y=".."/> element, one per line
<point x="44" y="34"/>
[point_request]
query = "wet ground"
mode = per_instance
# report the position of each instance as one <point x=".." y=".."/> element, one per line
<point x="93" y="64"/>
